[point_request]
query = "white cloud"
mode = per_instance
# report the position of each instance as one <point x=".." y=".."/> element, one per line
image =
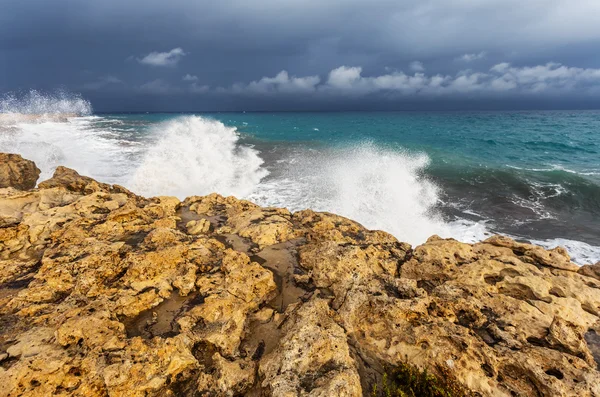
<point x="551" y="78"/>
<point x="281" y="83"/>
<point x="349" y="81"/>
<point x="170" y="58"/>
<point x="195" y="87"/>
<point x="472" y="57"/>
<point x="501" y="67"/>
<point x="344" y="77"/>
<point x="417" y="66"/>
<point x="189" y="77"/>
<point x="500" y="79"/>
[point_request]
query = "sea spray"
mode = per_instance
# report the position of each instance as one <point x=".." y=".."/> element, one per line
<point x="197" y="156"/>
<point x="39" y="103"/>
<point x="38" y="126"/>
<point x="73" y="144"/>
<point x="382" y="189"/>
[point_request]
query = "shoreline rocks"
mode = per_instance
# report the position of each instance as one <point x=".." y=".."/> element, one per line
<point x="17" y="172"/>
<point x="106" y="293"/>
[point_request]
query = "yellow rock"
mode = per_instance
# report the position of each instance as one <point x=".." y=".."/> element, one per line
<point x="105" y="293"/>
<point x="195" y="228"/>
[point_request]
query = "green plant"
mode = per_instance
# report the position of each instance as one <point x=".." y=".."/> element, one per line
<point x="406" y="380"/>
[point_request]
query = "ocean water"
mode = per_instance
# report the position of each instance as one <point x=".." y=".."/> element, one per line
<point x="532" y="175"/>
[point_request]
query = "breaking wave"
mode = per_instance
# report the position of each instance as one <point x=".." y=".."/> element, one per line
<point x="381" y="188"/>
<point x="197" y="156"/>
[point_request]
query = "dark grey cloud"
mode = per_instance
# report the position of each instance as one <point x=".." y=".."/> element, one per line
<point x="263" y="54"/>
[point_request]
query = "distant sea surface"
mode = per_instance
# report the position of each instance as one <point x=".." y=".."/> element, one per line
<point x="532" y="175"/>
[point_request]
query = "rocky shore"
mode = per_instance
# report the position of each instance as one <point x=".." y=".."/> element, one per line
<point x="106" y="293"/>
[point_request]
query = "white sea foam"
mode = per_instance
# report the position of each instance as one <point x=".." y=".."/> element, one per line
<point x="382" y="189"/>
<point x="580" y="252"/>
<point x="72" y="144"/>
<point x="196" y="156"/>
<point x="557" y="167"/>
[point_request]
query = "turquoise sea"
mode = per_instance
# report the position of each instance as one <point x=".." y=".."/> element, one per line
<point x="532" y="175"/>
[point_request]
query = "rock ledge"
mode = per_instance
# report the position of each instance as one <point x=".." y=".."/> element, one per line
<point x="105" y="293"/>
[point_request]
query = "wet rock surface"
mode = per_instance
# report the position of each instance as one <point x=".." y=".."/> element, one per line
<point x="105" y="293"/>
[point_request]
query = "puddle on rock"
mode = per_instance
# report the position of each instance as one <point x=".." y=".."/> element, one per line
<point x="237" y="243"/>
<point x="262" y="339"/>
<point x="134" y="239"/>
<point x="12" y="288"/>
<point x="187" y="215"/>
<point x="282" y="260"/>
<point x="8" y="333"/>
<point x="161" y="320"/>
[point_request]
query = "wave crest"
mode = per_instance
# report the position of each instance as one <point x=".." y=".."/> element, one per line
<point x="193" y="155"/>
<point x="382" y="189"/>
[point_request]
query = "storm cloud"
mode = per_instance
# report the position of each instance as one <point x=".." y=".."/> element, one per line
<point x="297" y="55"/>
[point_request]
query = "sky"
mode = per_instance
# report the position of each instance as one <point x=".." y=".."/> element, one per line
<point x="195" y="55"/>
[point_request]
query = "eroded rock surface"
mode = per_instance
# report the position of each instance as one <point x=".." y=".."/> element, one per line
<point x="17" y="172"/>
<point x="105" y="293"/>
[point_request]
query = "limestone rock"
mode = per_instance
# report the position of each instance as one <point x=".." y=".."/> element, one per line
<point x="312" y="357"/>
<point x="557" y="258"/>
<point x="103" y="292"/>
<point x="71" y="180"/>
<point x="590" y="270"/>
<point x="264" y="226"/>
<point x="234" y="378"/>
<point x="17" y="172"/>
<point x="195" y="228"/>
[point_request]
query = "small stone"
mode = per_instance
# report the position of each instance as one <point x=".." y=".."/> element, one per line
<point x="263" y="316"/>
<point x="302" y="279"/>
<point x="278" y="318"/>
<point x="195" y="228"/>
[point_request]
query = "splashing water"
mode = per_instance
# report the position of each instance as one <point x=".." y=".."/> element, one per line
<point x="382" y="189"/>
<point x="197" y="156"/>
<point x="44" y="104"/>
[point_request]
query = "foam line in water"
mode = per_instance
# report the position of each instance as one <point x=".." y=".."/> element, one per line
<point x="197" y="156"/>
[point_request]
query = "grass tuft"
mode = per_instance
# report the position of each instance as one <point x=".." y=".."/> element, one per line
<point x="406" y="380"/>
